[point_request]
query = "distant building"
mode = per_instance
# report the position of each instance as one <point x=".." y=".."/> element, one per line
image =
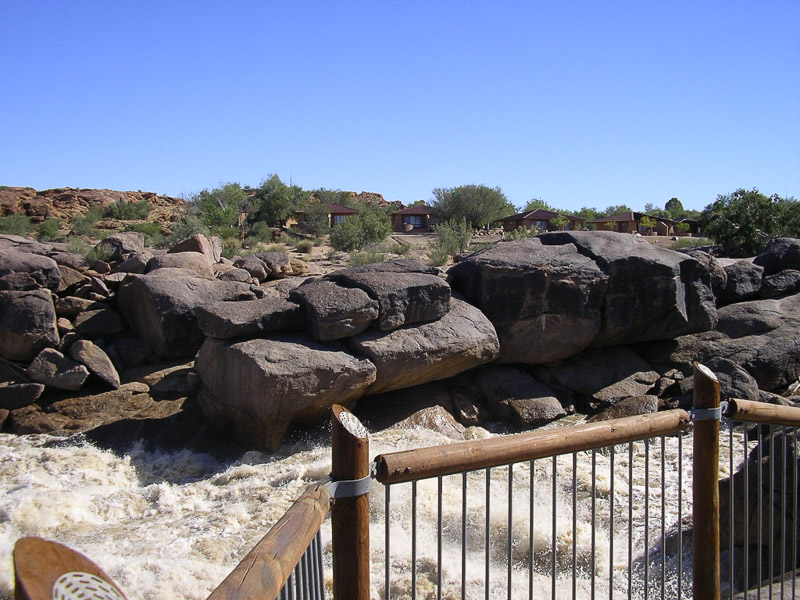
<point x="336" y="213"/>
<point x="631" y="222"/>
<point x="541" y="219"/>
<point x="414" y="218"/>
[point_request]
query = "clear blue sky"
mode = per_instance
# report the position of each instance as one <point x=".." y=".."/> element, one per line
<point x="579" y="103"/>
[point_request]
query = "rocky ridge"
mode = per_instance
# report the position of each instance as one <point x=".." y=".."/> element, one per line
<point x="520" y="333"/>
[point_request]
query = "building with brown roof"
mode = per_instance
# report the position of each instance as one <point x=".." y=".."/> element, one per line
<point x="414" y="218"/>
<point x="540" y="219"/>
<point x="631" y="222"/>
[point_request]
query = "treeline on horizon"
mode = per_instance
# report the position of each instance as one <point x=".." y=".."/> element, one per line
<point x="742" y="221"/>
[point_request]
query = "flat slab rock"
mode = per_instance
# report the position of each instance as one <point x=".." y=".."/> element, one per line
<point x="462" y="339"/>
<point x="231" y="319"/>
<point x="333" y="311"/>
<point x="257" y="388"/>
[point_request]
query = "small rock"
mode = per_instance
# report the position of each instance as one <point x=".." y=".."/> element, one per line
<point x="52" y="368"/>
<point x="18" y="395"/>
<point x="97" y="361"/>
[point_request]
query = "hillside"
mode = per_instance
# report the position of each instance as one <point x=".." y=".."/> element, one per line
<point x="68" y="203"/>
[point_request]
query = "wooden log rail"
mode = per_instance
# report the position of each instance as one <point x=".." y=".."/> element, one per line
<point x="761" y="412"/>
<point x="267" y="567"/>
<point x="422" y="463"/>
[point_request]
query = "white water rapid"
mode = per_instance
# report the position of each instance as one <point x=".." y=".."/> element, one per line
<point x="172" y="525"/>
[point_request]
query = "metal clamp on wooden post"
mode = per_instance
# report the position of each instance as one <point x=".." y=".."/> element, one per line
<point x="349" y="488"/>
<point x="709" y="414"/>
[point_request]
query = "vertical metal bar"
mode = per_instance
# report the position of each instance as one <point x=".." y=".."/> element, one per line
<point x="463" y="535"/>
<point x="784" y="484"/>
<point x="510" y="522"/>
<point x="794" y="510"/>
<point x="413" y="540"/>
<point x="646" y="517"/>
<point x="302" y="589"/>
<point x="290" y="586"/>
<point x="594" y="520"/>
<point x="574" y="523"/>
<point x="771" y="554"/>
<point x="488" y="528"/>
<point x="760" y="480"/>
<point x="680" y="516"/>
<point x="439" y="541"/>
<point x="663" y="514"/>
<point x="731" y="510"/>
<point x="746" y="511"/>
<point x="320" y="566"/>
<point x="630" y="520"/>
<point x="532" y="540"/>
<point x="553" y="519"/>
<point x="611" y="527"/>
<point x="387" y="511"/>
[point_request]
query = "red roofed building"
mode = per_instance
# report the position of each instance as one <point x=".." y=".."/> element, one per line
<point x="414" y="218"/>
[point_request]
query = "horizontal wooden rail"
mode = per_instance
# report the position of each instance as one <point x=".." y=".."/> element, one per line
<point x="267" y="567"/>
<point x="421" y="463"/>
<point x="762" y="412"/>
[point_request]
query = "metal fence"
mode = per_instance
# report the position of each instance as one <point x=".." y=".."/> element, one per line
<point x="652" y="506"/>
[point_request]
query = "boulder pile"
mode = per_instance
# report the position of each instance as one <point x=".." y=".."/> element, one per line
<point x="521" y="332"/>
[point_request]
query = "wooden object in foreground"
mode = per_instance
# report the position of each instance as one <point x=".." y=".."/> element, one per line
<point x="40" y="564"/>
<point x="761" y="412"/>
<point x="705" y="488"/>
<point x="409" y="465"/>
<point x="265" y="569"/>
<point x="350" y="516"/>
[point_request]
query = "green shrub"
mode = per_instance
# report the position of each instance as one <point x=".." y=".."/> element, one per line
<point x="304" y="246"/>
<point x="153" y="236"/>
<point x="366" y="257"/>
<point x="275" y="248"/>
<point x="15" y="225"/>
<point x="49" y="229"/>
<point x="190" y="225"/>
<point x="84" y="225"/>
<point x="231" y="246"/>
<point x="688" y="242"/>
<point x="260" y="232"/>
<point x="521" y="233"/>
<point x="77" y="246"/>
<point x="439" y="256"/>
<point x="128" y="211"/>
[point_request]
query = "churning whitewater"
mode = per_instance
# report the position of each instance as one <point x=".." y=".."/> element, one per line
<point x="172" y="525"/>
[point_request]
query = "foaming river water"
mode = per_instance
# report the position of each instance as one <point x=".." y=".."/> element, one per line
<point x="169" y="525"/>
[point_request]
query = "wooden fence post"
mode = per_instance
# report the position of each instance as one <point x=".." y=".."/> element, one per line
<point x="705" y="488"/>
<point x="350" y="516"/>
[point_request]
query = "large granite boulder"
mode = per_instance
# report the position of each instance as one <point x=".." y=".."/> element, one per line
<point x="462" y="339"/>
<point x="606" y="375"/>
<point x="403" y="297"/>
<point x="52" y="368"/>
<point x="257" y="388"/>
<point x="253" y="265"/>
<point x="546" y="302"/>
<point x="719" y="278"/>
<point x="160" y="307"/>
<point x="199" y="243"/>
<point x="195" y="261"/>
<point x="743" y="281"/>
<point x="780" y="254"/>
<point x="652" y="294"/>
<point x="230" y="319"/>
<point x="516" y="397"/>
<point x="758" y="335"/>
<point x="27" y="324"/>
<point x="41" y="269"/>
<point x="334" y="311"/>
<point x="277" y="262"/>
<point x="118" y="246"/>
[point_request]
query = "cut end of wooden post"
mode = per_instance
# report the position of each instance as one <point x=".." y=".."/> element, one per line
<point x="706" y="371"/>
<point x="350" y="422"/>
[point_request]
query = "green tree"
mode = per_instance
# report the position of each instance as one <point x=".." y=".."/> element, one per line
<point x="559" y="222"/>
<point x="647" y="222"/>
<point x="674" y="209"/>
<point x="537" y="203"/>
<point x="275" y="201"/>
<point x="478" y="205"/>
<point x="219" y="209"/>
<point x="615" y="210"/>
<point x="744" y="221"/>
<point x="370" y="226"/>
